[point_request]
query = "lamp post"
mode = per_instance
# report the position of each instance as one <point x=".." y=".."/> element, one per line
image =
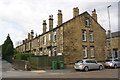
<point x="110" y="28"/>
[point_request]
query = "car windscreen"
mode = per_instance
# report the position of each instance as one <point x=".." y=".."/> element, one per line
<point x="108" y="60"/>
<point x="79" y="61"/>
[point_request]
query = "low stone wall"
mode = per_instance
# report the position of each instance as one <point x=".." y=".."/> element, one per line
<point x="21" y="65"/>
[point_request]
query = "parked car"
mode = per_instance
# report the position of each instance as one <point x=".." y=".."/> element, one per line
<point x="113" y="63"/>
<point x="87" y="64"/>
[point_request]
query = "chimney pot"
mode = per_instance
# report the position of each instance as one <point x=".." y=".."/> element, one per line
<point x="75" y="12"/>
<point x="44" y="26"/>
<point x="59" y="11"/>
<point x="50" y="22"/>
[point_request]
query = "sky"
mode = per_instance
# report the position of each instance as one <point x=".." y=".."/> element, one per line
<point x="18" y="17"/>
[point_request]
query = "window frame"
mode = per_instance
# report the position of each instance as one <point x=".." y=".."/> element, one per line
<point x="85" y="52"/>
<point x="92" y="55"/>
<point x="44" y="40"/>
<point x="55" y="51"/>
<point x="54" y="36"/>
<point x="91" y="37"/>
<point x="87" y="22"/>
<point x="45" y="51"/>
<point x="84" y="35"/>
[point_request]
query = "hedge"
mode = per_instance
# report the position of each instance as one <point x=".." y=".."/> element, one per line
<point x="23" y="56"/>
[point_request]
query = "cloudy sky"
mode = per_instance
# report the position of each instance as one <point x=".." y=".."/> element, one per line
<point x="18" y="17"/>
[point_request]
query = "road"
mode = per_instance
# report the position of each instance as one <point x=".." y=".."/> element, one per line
<point x="9" y="72"/>
<point x="67" y="73"/>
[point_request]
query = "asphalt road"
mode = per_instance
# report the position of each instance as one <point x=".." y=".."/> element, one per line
<point x="9" y="72"/>
<point x="67" y="73"/>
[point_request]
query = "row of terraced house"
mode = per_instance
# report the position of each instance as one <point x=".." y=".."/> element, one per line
<point x="81" y="37"/>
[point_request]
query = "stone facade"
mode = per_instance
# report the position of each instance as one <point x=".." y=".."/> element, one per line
<point x="79" y="38"/>
<point x="113" y="45"/>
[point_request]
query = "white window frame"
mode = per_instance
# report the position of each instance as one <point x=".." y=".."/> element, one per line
<point x="55" y="51"/>
<point x="108" y="43"/>
<point x="50" y="53"/>
<point x="38" y="42"/>
<point x="85" y="51"/>
<point x="87" y="22"/>
<point x="44" y="40"/>
<point x="45" y="50"/>
<point x="91" y="36"/>
<point x="54" y="37"/>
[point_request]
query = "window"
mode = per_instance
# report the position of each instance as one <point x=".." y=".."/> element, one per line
<point x="87" y="22"/>
<point x="54" y="37"/>
<point x="91" y="36"/>
<point x="116" y="60"/>
<point x="50" y="53"/>
<point x="93" y="61"/>
<point x="88" y="61"/>
<point x="92" y="51"/>
<point x="79" y="61"/>
<point x="109" y="53"/>
<point x="84" y="35"/>
<point x="85" y="51"/>
<point x="38" y="42"/>
<point x="44" y="51"/>
<point x="54" y="51"/>
<point x="44" y="40"/>
<point x="108" y="43"/>
<point x="49" y="36"/>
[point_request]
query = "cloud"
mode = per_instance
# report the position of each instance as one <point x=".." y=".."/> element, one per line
<point x="18" y="17"/>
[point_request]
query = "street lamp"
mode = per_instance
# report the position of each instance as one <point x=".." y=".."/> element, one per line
<point x="110" y="28"/>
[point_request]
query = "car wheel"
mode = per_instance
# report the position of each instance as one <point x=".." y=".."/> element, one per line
<point x="86" y="69"/>
<point x="115" y="66"/>
<point x="100" y="67"/>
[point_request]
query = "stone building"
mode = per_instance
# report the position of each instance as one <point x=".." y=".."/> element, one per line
<point x="113" y="44"/>
<point x="81" y="37"/>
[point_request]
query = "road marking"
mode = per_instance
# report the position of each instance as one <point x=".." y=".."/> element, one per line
<point x="56" y="73"/>
<point x="40" y="71"/>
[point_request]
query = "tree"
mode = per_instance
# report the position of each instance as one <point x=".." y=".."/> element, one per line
<point x="7" y="48"/>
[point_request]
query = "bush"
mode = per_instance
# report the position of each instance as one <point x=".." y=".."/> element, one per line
<point x="23" y="56"/>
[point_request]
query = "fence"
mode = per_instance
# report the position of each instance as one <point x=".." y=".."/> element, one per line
<point x="44" y="62"/>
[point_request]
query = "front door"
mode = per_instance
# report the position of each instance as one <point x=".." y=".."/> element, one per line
<point x="115" y="53"/>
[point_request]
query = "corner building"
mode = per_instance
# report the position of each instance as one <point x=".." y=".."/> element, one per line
<point x="81" y="37"/>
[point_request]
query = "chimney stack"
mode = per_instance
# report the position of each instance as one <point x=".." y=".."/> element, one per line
<point x="44" y="26"/>
<point x="94" y="15"/>
<point x="29" y="36"/>
<point x="75" y="12"/>
<point x="50" y="22"/>
<point x="32" y="34"/>
<point x="59" y="17"/>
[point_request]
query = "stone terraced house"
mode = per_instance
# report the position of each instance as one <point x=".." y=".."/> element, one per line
<point x="113" y="44"/>
<point x="81" y="37"/>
